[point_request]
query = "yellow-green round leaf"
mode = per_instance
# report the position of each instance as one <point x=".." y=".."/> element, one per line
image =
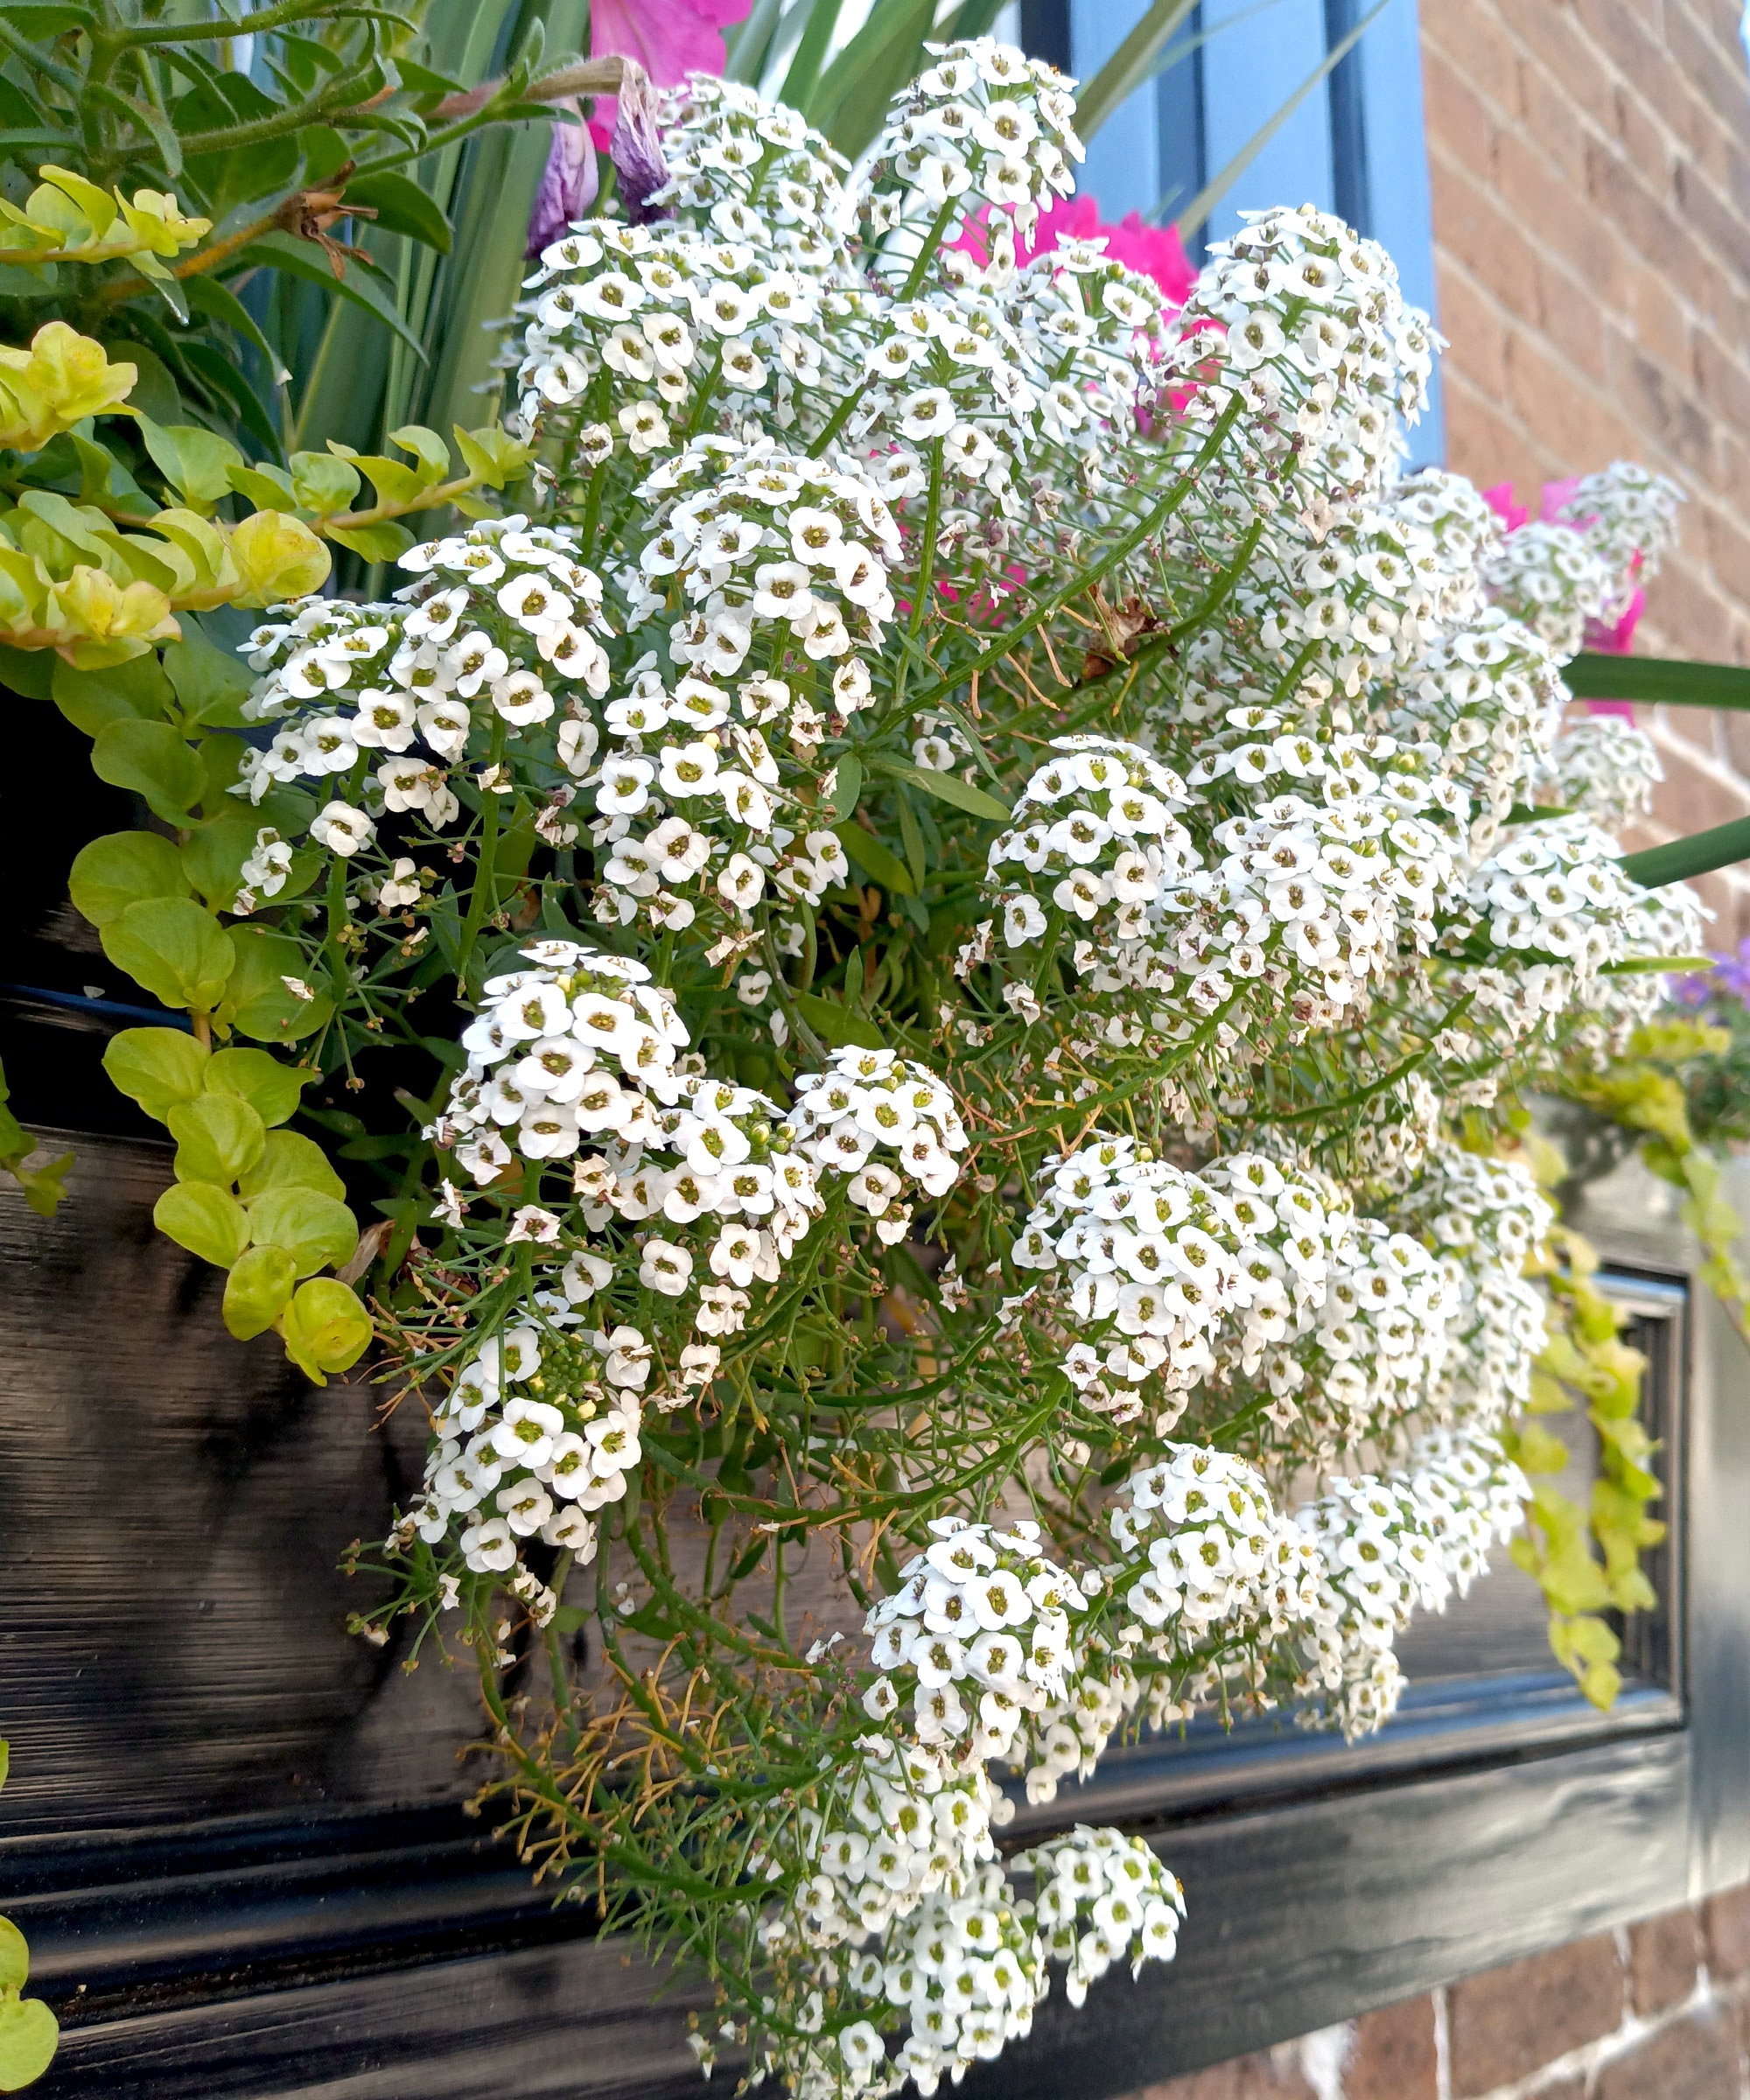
<point x="258" y="1289"/>
<point x="152" y="759"/>
<point x="271" y="1087"/>
<point x="156" y="1067"/>
<point x="316" y="1230"/>
<point x="217" y="1137"/>
<point x="172" y="948"/>
<point x="262" y="1004"/>
<point x="15" y="1956"/>
<point x="29" y="2034"/>
<point x="206" y="1219"/>
<point x="325" y="1328"/>
<point x="125" y="868"/>
<point x="290" y="1161"/>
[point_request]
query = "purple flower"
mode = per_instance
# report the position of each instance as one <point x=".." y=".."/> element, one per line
<point x="569" y="182"/>
<point x="1729" y="978"/>
<point x="637" y="146"/>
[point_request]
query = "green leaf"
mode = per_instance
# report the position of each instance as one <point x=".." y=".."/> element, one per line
<point x="1699" y="854"/>
<point x="836" y="1025"/>
<point x="15" y="1957"/>
<point x="323" y="482"/>
<point x="29" y="2035"/>
<point x="912" y="833"/>
<point x="876" y="862"/>
<point x="847" y="784"/>
<point x="154" y="761"/>
<point x="157" y="1067"/>
<point x="260" y="1001"/>
<point x="123" y="868"/>
<point x="219" y="303"/>
<point x="402" y="208"/>
<point x="854" y="92"/>
<point x="427" y="447"/>
<point x="385" y="542"/>
<point x="318" y="1231"/>
<point x="266" y="486"/>
<point x="211" y="683"/>
<point x="218" y="1138"/>
<point x="134" y="691"/>
<point x="325" y="1328"/>
<point x="945" y="787"/>
<point x="172" y="948"/>
<point x="1539" y="1451"/>
<point x="290" y="1160"/>
<point x="205" y="1218"/>
<point x="196" y="463"/>
<point x="258" y="1289"/>
<point x="304" y="259"/>
<point x="30" y="672"/>
<point x="1654" y="678"/>
<point x="271" y="1087"/>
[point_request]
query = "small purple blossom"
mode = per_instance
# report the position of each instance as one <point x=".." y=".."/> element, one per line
<point x="1729" y="978"/>
<point x="569" y="183"/>
<point x="637" y="147"/>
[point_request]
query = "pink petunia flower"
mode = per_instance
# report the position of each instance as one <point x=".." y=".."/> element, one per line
<point x="669" y="38"/>
<point x="1613" y="640"/>
<point x="1152" y="251"/>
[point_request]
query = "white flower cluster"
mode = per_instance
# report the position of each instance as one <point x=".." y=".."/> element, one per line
<point x="1182" y="1278"/>
<point x="1103" y="1898"/>
<point x="1555" y="891"/>
<point x="982" y="126"/>
<point x="1222" y="1563"/>
<point x="1311" y="897"/>
<point x="1148" y="1259"/>
<point x="1547" y="576"/>
<point x="505" y="627"/>
<point x="979" y="1634"/>
<point x="1604" y="769"/>
<point x="1487" y="696"/>
<point x="1070" y="1734"/>
<point x="772" y="546"/>
<point x="912" y="1819"/>
<point x="539" y="1428"/>
<point x="1096" y="844"/>
<point x="744" y="170"/>
<point x="1486" y="1218"/>
<point x="1628" y="517"/>
<point x="966" y="1971"/>
<point x="1304" y="321"/>
<point x="1392" y="1546"/>
<point x="887" y="1123"/>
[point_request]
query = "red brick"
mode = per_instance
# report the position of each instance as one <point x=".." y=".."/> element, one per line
<point x="1626" y="204"/>
<point x="1657" y="316"/>
<point x="1559" y="214"/>
<point x="1574" y="321"/>
<point x="1552" y="116"/>
<point x="1483" y="443"/>
<point x="1481" y="235"/>
<point x="1573" y="421"/>
<point x="1471" y="35"/>
<point x="1692" y="800"/>
<point x="1726" y="1928"/>
<point x="1453" y="112"/>
<point x="1663" y="1954"/>
<point x="1510" y="2022"/>
<point x="1259" y="2077"/>
<point x="1660" y="405"/>
<point x="1569" y="52"/>
<point x="1471" y="319"/>
<point x="1392" y="2056"/>
<point x="1693" y="2059"/>
<point x="1719" y="80"/>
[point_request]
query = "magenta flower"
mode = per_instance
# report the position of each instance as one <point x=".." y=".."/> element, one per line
<point x="569" y="182"/>
<point x="1152" y="251"/>
<point x="669" y="38"/>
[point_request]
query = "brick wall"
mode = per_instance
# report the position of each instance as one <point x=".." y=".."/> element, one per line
<point x="1591" y="173"/>
<point x="1660" y="2010"/>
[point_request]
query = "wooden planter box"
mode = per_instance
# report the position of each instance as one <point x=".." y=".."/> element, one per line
<point x="234" y="1835"/>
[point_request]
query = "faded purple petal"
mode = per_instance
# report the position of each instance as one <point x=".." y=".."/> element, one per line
<point x="637" y="147"/>
<point x="569" y="183"/>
